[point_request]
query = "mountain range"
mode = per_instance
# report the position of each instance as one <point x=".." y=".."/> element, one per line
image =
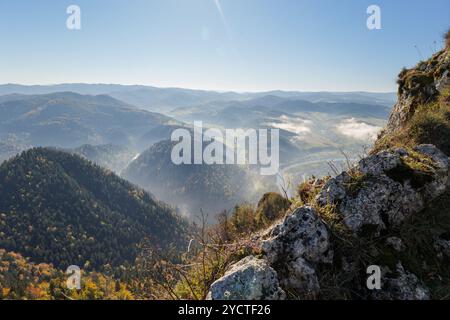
<point x="120" y="136"/>
<point x="67" y="119"/>
<point x="166" y="99"/>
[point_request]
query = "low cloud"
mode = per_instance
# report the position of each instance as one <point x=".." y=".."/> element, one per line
<point x="298" y="126"/>
<point x="358" y="130"/>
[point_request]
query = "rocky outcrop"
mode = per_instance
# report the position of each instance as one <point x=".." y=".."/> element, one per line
<point x="377" y="195"/>
<point x="248" y="279"/>
<point x="295" y="246"/>
<point x="403" y="286"/>
<point x="388" y="187"/>
<point x="443" y="248"/>
<point x="419" y="85"/>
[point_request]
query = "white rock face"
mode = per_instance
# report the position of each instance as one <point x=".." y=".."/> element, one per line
<point x="442" y="161"/>
<point x="413" y="93"/>
<point x="380" y="202"/>
<point x="248" y="279"/>
<point x="298" y="243"/>
<point x="381" y="162"/>
<point x="442" y="169"/>
<point x="390" y="191"/>
<point x="334" y="189"/>
<point x="301" y="234"/>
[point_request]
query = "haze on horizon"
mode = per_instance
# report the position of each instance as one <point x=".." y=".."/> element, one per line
<point x="221" y="45"/>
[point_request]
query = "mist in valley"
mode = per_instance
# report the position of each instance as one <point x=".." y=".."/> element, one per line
<point x="319" y="133"/>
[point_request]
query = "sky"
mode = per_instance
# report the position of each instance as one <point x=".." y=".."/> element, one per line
<point x="238" y="45"/>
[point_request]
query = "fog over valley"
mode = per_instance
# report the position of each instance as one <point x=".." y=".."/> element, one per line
<point x="124" y="129"/>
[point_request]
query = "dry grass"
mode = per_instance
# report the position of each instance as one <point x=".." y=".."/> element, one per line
<point x="430" y="124"/>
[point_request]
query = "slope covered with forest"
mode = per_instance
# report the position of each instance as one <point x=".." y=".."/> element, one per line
<point x="59" y="208"/>
<point x="67" y="119"/>
<point x="193" y="188"/>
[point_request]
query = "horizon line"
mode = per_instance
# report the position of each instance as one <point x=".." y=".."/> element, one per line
<point x="195" y="89"/>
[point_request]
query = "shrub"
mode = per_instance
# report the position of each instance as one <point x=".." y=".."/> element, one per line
<point x="271" y="207"/>
<point x="308" y="190"/>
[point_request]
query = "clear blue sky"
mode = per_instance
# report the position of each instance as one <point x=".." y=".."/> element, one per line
<point x="254" y="45"/>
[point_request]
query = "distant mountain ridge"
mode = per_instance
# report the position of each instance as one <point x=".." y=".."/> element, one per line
<point x="68" y="119"/>
<point x="167" y="99"/>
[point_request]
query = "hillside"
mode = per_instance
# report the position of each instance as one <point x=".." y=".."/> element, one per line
<point x="20" y="278"/>
<point x="58" y="208"/>
<point x="69" y="120"/>
<point x="211" y="188"/>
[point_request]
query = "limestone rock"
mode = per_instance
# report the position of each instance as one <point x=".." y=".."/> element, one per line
<point x="298" y="243"/>
<point x="417" y="86"/>
<point x="301" y="234"/>
<point x="388" y="190"/>
<point x="381" y="162"/>
<point x="404" y="286"/>
<point x="248" y="279"/>
<point x="381" y="202"/>
<point x="333" y="190"/>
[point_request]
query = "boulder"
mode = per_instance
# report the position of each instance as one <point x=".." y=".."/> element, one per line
<point x="297" y="244"/>
<point x="248" y="279"/>
<point x="381" y="162"/>
<point x="388" y="189"/>
<point x="334" y="189"/>
<point x="380" y="203"/>
<point x="403" y="286"/>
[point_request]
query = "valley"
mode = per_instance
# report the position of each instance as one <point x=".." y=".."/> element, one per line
<point x="117" y="135"/>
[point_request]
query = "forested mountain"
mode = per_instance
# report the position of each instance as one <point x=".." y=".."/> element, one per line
<point x="212" y="188"/>
<point x="68" y="119"/>
<point x="59" y="208"/>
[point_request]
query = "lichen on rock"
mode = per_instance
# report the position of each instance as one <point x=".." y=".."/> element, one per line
<point x="249" y="279"/>
<point x="393" y="188"/>
<point x="295" y="246"/>
<point x="401" y="285"/>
